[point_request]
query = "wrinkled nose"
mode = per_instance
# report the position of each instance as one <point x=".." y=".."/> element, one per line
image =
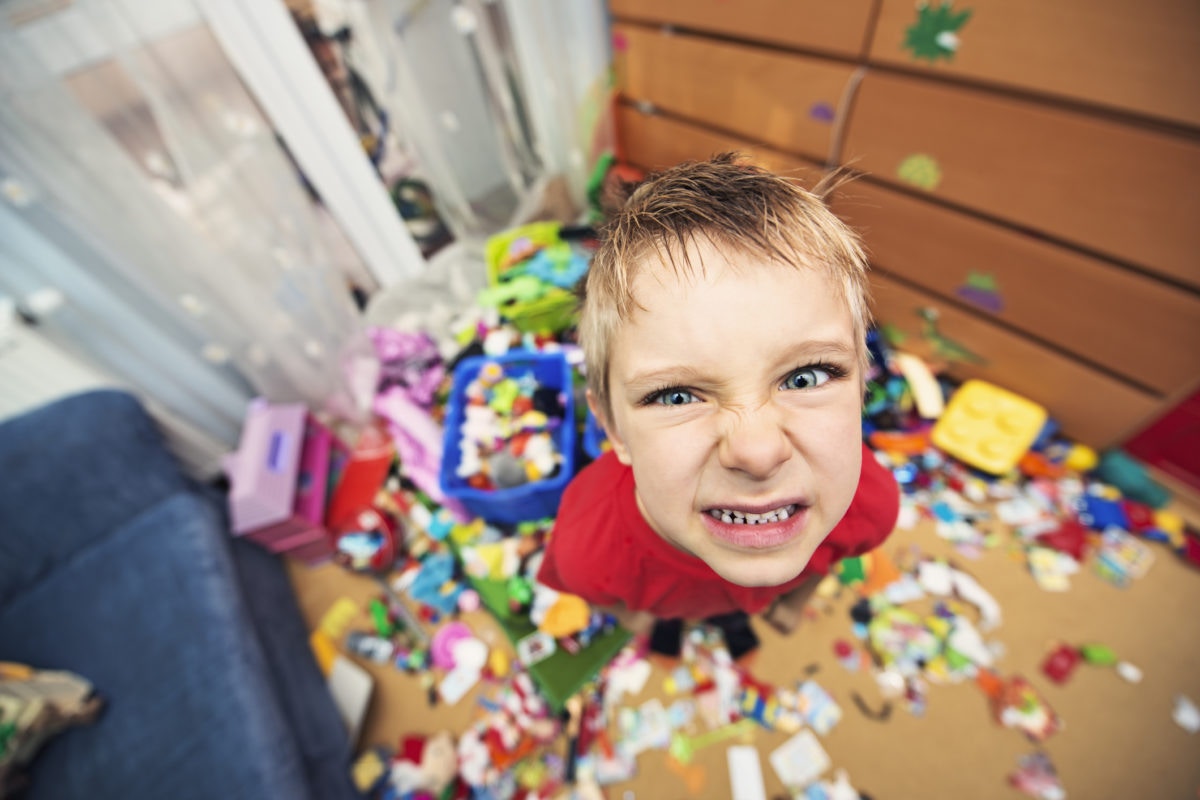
<point x="754" y="442"/>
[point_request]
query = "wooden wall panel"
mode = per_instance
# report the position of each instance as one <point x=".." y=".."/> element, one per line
<point x="839" y="28"/>
<point x="1092" y="407"/>
<point x="1139" y="57"/>
<point x="652" y="141"/>
<point x="1131" y="324"/>
<point x="1124" y="190"/>
<point x="785" y="100"/>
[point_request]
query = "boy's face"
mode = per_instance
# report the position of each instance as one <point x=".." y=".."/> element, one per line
<point x="736" y="398"/>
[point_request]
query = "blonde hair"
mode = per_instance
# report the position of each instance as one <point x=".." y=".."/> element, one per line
<point x="736" y="206"/>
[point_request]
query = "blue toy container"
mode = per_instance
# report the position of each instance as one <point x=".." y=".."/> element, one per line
<point x="530" y="501"/>
<point x="593" y="437"/>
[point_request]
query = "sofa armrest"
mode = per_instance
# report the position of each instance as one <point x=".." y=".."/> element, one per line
<point x="72" y="471"/>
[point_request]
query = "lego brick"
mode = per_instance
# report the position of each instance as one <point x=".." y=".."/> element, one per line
<point x="988" y="427"/>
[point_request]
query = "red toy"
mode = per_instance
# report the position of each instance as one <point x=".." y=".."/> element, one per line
<point x="1059" y="665"/>
<point x="1191" y="548"/>
<point x="361" y="478"/>
<point x="1140" y="515"/>
<point x="1071" y="538"/>
<point x="367" y="542"/>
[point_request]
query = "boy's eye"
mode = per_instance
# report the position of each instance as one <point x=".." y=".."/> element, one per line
<point x="807" y="378"/>
<point x="671" y="397"/>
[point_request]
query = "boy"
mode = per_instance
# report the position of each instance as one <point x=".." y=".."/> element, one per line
<point x="723" y="324"/>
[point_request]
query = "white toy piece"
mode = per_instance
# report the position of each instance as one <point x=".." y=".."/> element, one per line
<point x="745" y="773"/>
<point x="926" y="392"/>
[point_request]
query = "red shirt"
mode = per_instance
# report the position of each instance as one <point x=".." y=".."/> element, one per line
<point x="603" y="550"/>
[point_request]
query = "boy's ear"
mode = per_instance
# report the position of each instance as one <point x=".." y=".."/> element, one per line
<point x="618" y="445"/>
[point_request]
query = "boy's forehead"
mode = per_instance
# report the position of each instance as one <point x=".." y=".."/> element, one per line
<point x="676" y="268"/>
<point x="662" y="290"/>
<point x="710" y="327"/>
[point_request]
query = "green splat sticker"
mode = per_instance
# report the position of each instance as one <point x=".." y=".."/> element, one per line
<point x="934" y="35"/>
<point x="943" y="346"/>
<point x="920" y="170"/>
<point x="982" y="291"/>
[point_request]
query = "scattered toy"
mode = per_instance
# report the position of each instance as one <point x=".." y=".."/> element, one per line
<point x="1186" y="714"/>
<point x="1036" y="777"/>
<point x="800" y="761"/>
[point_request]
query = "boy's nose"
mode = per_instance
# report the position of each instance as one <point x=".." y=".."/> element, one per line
<point x="755" y="442"/>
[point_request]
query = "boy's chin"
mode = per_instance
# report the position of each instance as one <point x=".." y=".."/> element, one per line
<point x="754" y="573"/>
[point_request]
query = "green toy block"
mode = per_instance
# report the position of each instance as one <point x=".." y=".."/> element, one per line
<point x="851" y="570"/>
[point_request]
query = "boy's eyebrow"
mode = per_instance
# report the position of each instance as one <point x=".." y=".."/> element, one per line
<point x="679" y="374"/>
<point x="822" y="347"/>
<point x="684" y="373"/>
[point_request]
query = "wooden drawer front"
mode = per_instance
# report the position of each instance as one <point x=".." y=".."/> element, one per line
<point x="652" y="142"/>
<point x="780" y="99"/>
<point x="1139" y="57"/>
<point x="1130" y="324"/>
<point x="1092" y="407"/>
<point x="1118" y="189"/>
<point x="839" y="28"/>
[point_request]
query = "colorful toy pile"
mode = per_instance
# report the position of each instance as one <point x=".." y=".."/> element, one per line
<point x="532" y="271"/>
<point x="507" y="433"/>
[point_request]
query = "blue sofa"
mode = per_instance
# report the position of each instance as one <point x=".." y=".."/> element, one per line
<point x="115" y="566"/>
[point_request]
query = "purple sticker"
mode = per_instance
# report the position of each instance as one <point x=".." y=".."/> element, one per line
<point x="277" y="449"/>
<point x="822" y="112"/>
<point x="619" y="42"/>
<point x="982" y="298"/>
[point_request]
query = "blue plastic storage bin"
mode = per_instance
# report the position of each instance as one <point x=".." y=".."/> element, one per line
<point x="529" y="501"/>
<point x="593" y="437"/>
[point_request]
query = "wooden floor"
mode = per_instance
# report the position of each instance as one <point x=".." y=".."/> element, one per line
<point x="1119" y="739"/>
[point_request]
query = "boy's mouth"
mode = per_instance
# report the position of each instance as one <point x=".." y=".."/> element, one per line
<point x="759" y="527"/>
<point x="733" y="516"/>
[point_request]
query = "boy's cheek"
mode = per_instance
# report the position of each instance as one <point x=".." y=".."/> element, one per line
<point x="633" y="440"/>
<point x="657" y="451"/>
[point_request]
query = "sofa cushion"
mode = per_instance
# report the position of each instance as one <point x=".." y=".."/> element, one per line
<point x="300" y="687"/>
<point x="152" y="615"/>
<point x="74" y="470"/>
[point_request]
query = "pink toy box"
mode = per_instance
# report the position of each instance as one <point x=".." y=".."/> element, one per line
<point x="278" y="478"/>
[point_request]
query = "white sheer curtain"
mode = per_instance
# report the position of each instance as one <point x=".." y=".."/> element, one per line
<point x="563" y="53"/>
<point x="142" y="183"/>
<point x="506" y="103"/>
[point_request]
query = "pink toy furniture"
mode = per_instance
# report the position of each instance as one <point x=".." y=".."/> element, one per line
<point x="278" y="478"/>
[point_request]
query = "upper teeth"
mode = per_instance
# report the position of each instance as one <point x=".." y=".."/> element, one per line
<point x="741" y="518"/>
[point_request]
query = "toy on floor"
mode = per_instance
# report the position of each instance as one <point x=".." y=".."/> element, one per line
<point x="988" y="427"/>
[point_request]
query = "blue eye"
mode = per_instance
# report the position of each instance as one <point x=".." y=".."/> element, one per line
<point x="807" y="378"/>
<point x="671" y="397"/>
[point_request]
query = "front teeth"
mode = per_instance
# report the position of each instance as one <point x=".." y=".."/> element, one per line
<point x="731" y="517"/>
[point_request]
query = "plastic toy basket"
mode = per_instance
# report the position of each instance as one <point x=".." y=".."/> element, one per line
<point x="554" y="310"/>
<point x="530" y="501"/>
